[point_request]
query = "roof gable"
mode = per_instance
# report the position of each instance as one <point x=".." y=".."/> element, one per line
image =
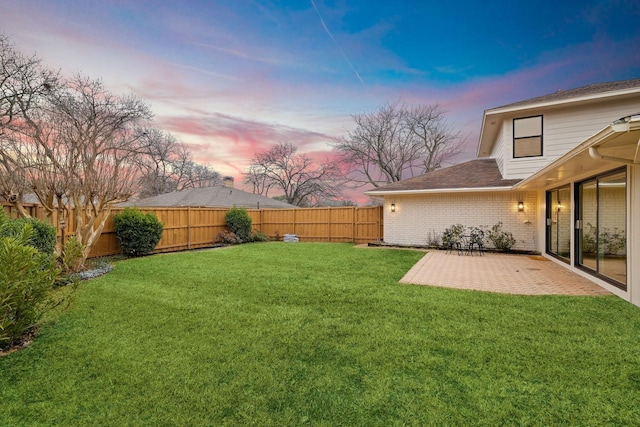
<point x="493" y="118"/>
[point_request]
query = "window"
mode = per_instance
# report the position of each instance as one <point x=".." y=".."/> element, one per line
<point x="527" y="137"/>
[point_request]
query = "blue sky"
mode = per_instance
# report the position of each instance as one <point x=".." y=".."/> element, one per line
<point x="230" y="78"/>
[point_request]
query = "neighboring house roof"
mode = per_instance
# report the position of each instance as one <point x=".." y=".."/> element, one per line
<point x="218" y="197"/>
<point x="474" y="175"/>
<point x="492" y="121"/>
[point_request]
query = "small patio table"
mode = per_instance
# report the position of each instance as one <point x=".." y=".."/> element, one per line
<point x="467" y="244"/>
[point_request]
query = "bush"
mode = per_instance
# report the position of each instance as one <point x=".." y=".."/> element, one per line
<point x="239" y="223"/>
<point x="43" y="235"/>
<point x="257" y="236"/>
<point x="503" y="240"/>
<point x="452" y="235"/>
<point x="70" y="259"/>
<point x="139" y="233"/>
<point x="26" y="276"/>
<point x="227" y="237"/>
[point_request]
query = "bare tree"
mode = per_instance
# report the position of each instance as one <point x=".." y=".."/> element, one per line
<point x="168" y="166"/>
<point x="196" y="175"/>
<point x="79" y="152"/>
<point x="302" y="181"/>
<point x="24" y="83"/>
<point x="397" y="141"/>
<point x="258" y="180"/>
<point x="437" y="139"/>
<point x="162" y="149"/>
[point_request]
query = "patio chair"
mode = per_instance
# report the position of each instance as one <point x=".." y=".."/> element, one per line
<point x="476" y="240"/>
<point x="451" y="242"/>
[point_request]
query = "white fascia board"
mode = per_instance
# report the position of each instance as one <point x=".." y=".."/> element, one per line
<point x="544" y="104"/>
<point x="436" y="191"/>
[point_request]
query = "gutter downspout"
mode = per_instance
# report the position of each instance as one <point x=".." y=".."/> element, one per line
<point x="595" y="154"/>
<point x="619" y="126"/>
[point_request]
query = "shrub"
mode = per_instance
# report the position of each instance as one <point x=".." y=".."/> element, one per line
<point x="477" y="236"/>
<point x="257" y="236"/>
<point x="452" y="235"/>
<point x="70" y="259"/>
<point x="139" y="233"/>
<point x="227" y="237"/>
<point x="501" y="239"/>
<point x="239" y="223"/>
<point x="433" y="241"/>
<point x="43" y="235"/>
<point x="26" y="276"/>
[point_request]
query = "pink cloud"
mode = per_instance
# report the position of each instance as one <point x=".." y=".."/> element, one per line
<point x="228" y="143"/>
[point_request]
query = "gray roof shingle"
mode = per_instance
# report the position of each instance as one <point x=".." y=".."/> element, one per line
<point x="479" y="173"/>
<point x="216" y="197"/>
<point x="589" y="90"/>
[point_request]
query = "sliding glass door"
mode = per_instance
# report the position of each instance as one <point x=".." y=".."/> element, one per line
<point x="559" y="223"/>
<point x="601" y="217"/>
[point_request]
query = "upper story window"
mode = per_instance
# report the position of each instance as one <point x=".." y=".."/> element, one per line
<point x="527" y="137"/>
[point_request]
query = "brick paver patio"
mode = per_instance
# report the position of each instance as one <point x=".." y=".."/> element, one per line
<point x="504" y="273"/>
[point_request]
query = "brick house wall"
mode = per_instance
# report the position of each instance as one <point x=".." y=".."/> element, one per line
<point x="422" y="217"/>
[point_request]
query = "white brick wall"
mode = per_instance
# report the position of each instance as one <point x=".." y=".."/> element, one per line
<point x="418" y="217"/>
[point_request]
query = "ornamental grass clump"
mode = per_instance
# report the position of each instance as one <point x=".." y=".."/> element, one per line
<point x="138" y="232"/>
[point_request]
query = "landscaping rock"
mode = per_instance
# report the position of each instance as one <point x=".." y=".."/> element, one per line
<point x="291" y="238"/>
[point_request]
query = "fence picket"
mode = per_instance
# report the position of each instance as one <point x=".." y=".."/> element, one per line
<point x="193" y="228"/>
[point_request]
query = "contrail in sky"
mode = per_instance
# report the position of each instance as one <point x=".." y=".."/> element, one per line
<point x="335" y="42"/>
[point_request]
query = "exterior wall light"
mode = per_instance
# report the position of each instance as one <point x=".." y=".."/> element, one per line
<point x="393" y="207"/>
<point x="520" y="206"/>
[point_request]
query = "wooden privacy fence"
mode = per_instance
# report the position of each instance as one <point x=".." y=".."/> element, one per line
<point x="192" y="228"/>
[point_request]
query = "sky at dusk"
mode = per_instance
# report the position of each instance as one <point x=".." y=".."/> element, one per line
<point x="230" y="78"/>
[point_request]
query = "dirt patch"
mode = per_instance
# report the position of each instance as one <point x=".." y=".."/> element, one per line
<point x="22" y="343"/>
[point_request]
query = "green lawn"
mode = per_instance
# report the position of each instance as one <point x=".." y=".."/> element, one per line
<point x="319" y="334"/>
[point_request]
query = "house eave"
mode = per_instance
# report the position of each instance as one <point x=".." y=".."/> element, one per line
<point x="436" y="191"/>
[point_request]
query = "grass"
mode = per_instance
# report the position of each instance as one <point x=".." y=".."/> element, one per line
<point x="319" y="334"/>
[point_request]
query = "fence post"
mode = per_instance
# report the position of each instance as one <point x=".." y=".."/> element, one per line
<point x="354" y="231"/>
<point x="188" y="227"/>
<point x="294" y="222"/>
